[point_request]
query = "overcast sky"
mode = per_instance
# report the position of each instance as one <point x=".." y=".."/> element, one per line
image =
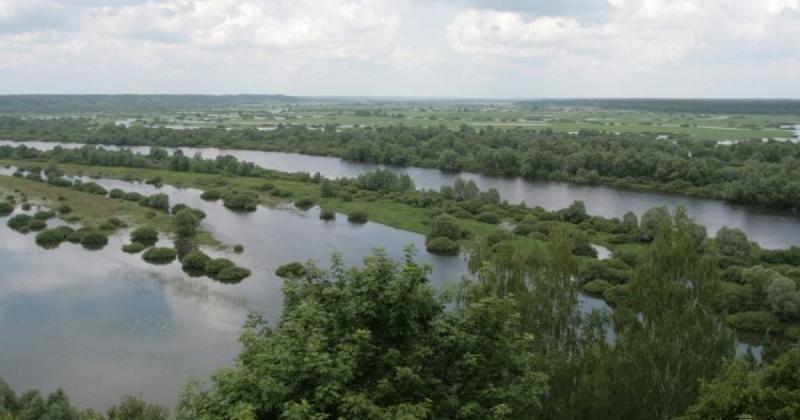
<point x="463" y="48"/>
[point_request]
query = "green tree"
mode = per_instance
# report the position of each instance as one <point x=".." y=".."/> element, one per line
<point x="732" y="243"/>
<point x="375" y="342"/>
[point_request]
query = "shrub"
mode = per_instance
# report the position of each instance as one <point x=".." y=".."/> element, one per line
<point x="133" y="248"/>
<point x="51" y="238"/>
<point x="488" y="217"/>
<point x="345" y="196"/>
<point x="442" y="245"/>
<point x="293" y="269"/>
<point x="445" y="226"/>
<point x="211" y="195"/>
<point x="327" y="214"/>
<point x="177" y="208"/>
<point x="755" y="321"/>
<point x="44" y="215"/>
<point x="144" y="235"/>
<point x="116" y="193"/>
<point x="93" y="188"/>
<point x="36" y="225"/>
<point x="238" y="248"/>
<point x="596" y="287"/>
<point x="133" y="196"/>
<point x="497" y="236"/>
<point x="232" y="274"/>
<point x="19" y="221"/>
<point x="185" y="223"/>
<point x="26" y="207"/>
<point x="195" y="260"/>
<point x="618" y="295"/>
<point x="304" y="203"/>
<point x="216" y="265"/>
<point x="92" y="239"/>
<point x="59" y="182"/>
<point x="358" y="216"/>
<point x="266" y="186"/>
<point x="6" y="207"/>
<point x="116" y="222"/>
<point x="64" y="209"/>
<point x="158" y="201"/>
<point x="240" y="201"/>
<point x="159" y="255"/>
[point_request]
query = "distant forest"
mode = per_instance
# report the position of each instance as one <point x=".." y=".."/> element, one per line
<point x="689" y="106"/>
<point x="132" y="103"/>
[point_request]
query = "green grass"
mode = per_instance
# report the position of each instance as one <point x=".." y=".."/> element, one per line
<point x="92" y="210"/>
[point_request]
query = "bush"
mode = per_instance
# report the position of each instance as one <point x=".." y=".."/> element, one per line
<point x="497" y="236"/>
<point x="51" y="238"/>
<point x="240" y="202"/>
<point x="19" y="221"/>
<point x="133" y="248"/>
<point x="116" y="222"/>
<point x="232" y="274"/>
<point x="304" y="203"/>
<point x="345" y="196"/>
<point x="59" y="182"/>
<point x="442" y="245"/>
<point x="158" y="201"/>
<point x="92" y="239"/>
<point x="327" y="214"/>
<point x="596" y="287"/>
<point x="618" y="295"/>
<point x="133" y="196"/>
<point x="211" y="195"/>
<point x="358" y="216"/>
<point x="159" y="255"/>
<point x="488" y="217"/>
<point x="185" y="223"/>
<point x="266" y="186"/>
<point x="64" y="209"/>
<point x="177" y="208"/>
<point x="144" y="235"/>
<point x="195" y="260"/>
<point x="290" y="270"/>
<point x="755" y="321"/>
<point x="116" y="193"/>
<point x="44" y="215"/>
<point x="212" y="267"/>
<point x="6" y="207"/>
<point x="36" y="225"/>
<point x="238" y="248"/>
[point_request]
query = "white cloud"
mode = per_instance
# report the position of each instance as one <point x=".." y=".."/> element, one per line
<point x="638" y="33"/>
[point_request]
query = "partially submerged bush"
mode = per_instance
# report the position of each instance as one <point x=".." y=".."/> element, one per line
<point x="195" y="260"/>
<point x="36" y="225"/>
<point x="358" y="216"/>
<point x="232" y="274"/>
<point x="133" y="248"/>
<point x="93" y="239"/>
<point x="159" y="255"/>
<point x="19" y="221"/>
<point x="292" y="269"/>
<point x="51" y="238"/>
<point x="240" y="202"/>
<point x="212" y="267"/>
<point x="238" y="248"/>
<point x="6" y="207"/>
<point x="442" y="245"/>
<point x="304" y="203"/>
<point x="211" y="195"/>
<point x="327" y="214"/>
<point x="44" y="215"/>
<point x="144" y="235"/>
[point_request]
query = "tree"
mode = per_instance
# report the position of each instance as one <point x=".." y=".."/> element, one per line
<point x="630" y="223"/>
<point x="652" y="219"/>
<point x="449" y="161"/>
<point x="783" y="298"/>
<point x="133" y="408"/>
<point x="576" y="212"/>
<point x="445" y="226"/>
<point x="185" y="223"/>
<point x="375" y="342"/>
<point x="732" y="243"/>
<point x="740" y="392"/>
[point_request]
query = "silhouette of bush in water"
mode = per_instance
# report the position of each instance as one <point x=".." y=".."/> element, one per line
<point x="93" y="240"/>
<point x="159" y="255"/>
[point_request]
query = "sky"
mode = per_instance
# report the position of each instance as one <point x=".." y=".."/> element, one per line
<point x="435" y="48"/>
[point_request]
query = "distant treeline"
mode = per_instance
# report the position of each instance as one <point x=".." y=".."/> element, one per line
<point x="750" y="172"/>
<point x="689" y="106"/>
<point x="132" y="103"/>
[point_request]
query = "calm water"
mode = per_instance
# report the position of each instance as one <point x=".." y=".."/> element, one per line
<point x="771" y="229"/>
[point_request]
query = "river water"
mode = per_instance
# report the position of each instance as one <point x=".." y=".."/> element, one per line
<point x="770" y="228"/>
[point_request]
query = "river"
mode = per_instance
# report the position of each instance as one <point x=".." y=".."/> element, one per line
<point x="769" y="228"/>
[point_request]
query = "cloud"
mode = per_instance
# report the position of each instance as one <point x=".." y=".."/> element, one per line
<point x="638" y="33"/>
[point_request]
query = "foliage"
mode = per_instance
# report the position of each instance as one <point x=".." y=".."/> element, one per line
<point x="133" y="248"/>
<point x="304" y="203"/>
<point x="292" y="269"/>
<point x="442" y="245"/>
<point x="93" y="239"/>
<point x="358" y="216"/>
<point x="374" y="342"/>
<point x="327" y="214"/>
<point x="240" y="201"/>
<point x="144" y="235"/>
<point x="232" y="274"/>
<point x="159" y="255"/>
<point x="214" y="266"/>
